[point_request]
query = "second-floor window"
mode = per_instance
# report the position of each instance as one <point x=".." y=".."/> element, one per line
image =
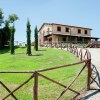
<point x="85" y="31"/>
<point x="43" y="32"/>
<point x="58" y="28"/>
<point x="79" y="31"/>
<point x="67" y="29"/>
<point x="48" y="30"/>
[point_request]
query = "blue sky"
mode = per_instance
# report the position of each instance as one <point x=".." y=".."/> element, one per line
<point x="85" y="13"/>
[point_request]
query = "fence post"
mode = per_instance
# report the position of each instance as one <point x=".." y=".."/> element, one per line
<point x="55" y="44"/>
<point x="77" y="53"/>
<point x="81" y="54"/>
<point x="61" y="46"/>
<point x="35" y="90"/>
<point x="89" y="74"/>
<point x="47" y="45"/>
<point x="67" y="47"/>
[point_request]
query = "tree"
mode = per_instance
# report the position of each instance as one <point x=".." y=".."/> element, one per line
<point x="28" y="38"/>
<point x="36" y="39"/>
<point x="6" y="33"/>
<point x="1" y="30"/>
<point x="5" y="30"/>
<point x="12" y="18"/>
<point x="12" y="29"/>
<point x="1" y="17"/>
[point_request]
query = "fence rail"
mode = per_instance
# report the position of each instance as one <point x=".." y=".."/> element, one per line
<point x="85" y="59"/>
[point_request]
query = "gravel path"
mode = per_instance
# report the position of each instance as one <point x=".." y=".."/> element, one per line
<point x="94" y="94"/>
<point x="95" y="59"/>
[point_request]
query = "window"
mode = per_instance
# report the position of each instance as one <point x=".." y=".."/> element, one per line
<point x="85" y="32"/>
<point x="67" y="29"/>
<point x="79" y="30"/>
<point x="48" y="29"/>
<point x="43" y="32"/>
<point x="58" y="28"/>
<point x="64" y="39"/>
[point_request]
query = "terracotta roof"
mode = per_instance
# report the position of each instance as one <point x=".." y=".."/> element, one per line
<point x="63" y="25"/>
<point x="43" y="25"/>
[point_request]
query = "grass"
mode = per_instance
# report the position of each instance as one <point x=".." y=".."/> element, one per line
<point x="44" y="58"/>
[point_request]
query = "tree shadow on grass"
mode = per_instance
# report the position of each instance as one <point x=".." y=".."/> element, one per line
<point x="20" y="53"/>
<point x="91" y="94"/>
<point x="29" y="55"/>
<point x="97" y="75"/>
<point x="37" y="55"/>
<point x="5" y="50"/>
<point x="42" y="50"/>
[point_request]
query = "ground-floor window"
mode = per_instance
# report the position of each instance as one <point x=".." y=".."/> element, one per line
<point x="50" y="39"/>
<point x="64" y="39"/>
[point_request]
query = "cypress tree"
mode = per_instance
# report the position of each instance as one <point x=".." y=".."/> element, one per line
<point x="28" y="38"/>
<point x="12" y="30"/>
<point x="36" y="39"/>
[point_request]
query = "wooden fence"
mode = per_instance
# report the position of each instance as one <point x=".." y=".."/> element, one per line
<point x="85" y="59"/>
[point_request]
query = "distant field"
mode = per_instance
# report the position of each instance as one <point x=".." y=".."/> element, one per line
<point x="44" y="58"/>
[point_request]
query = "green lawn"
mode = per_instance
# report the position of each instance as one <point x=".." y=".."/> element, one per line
<point x="44" y="58"/>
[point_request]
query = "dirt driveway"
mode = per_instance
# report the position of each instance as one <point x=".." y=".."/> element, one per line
<point x="95" y="55"/>
<point x="94" y="94"/>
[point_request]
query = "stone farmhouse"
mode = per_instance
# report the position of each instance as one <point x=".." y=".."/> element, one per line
<point x="55" y="33"/>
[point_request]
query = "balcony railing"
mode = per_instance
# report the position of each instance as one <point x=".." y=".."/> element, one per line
<point x="47" y="33"/>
